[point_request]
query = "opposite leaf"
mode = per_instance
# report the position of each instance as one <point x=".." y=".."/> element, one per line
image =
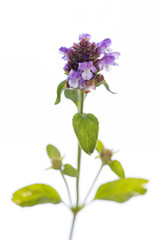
<point x="121" y="190"/>
<point x="70" y="171"/>
<point x="117" y="168"/>
<point x="99" y="146"/>
<point x="53" y="152"/>
<point x="107" y="87"/>
<point x="86" y="129"/>
<point x="72" y="94"/>
<point x="36" y="194"/>
<point x="60" y="88"/>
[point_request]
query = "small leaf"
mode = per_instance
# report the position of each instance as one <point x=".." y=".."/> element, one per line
<point x="36" y="194"/>
<point x="60" y="88"/>
<point x="72" y="94"/>
<point x="70" y="171"/>
<point x="107" y="87"/>
<point x="99" y="146"/>
<point x="121" y="190"/>
<point x="86" y="129"/>
<point x="117" y="168"/>
<point x="53" y="152"/>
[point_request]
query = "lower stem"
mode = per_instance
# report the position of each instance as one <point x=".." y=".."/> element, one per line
<point x="78" y="168"/>
<point x="72" y="227"/>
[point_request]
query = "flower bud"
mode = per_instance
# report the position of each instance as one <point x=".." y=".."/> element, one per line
<point x="57" y="163"/>
<point x="106" y="156"/>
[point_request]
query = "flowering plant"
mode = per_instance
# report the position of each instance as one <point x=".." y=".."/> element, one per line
<point x="85" y="61"/>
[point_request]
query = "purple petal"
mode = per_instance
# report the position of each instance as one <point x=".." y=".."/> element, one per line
<point x="115" y="54"/>
<point x="74" y="74"/>
<point x="86" y="65"/>
<point x="85" y="35"/>
<point x="66" y="67"/>
<point x="108" y="60"/>
<point x="104" y="45"/>
<point x="64" y="50"/>
<point x="74" y="83"/>
<point x="74" y="78"/>
<point x="94" y="69"/>
<point x="87" y="74"/>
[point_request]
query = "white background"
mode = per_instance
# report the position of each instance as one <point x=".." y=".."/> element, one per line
<point x="30" y="70"/>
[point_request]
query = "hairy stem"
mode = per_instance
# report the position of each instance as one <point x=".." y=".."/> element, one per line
<point x="80" y="110"/>
<point x="69" y="195"/>
<point x="93" y="184"/>
<point x="72" y="227"/>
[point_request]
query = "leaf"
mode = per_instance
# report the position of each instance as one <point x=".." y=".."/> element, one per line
<point x="36" y="194"/>
<point x="60" y="88"/>
<point x="107" y="87"/>
<point x="72" y="94"/>
<point x="70" y="171"/>
<point x="86" y="129"/>
<point x="117" y="168"/>
<point x="99" y="146"/>
<point x="121" y="190"/>
<point x="53" y="152"/>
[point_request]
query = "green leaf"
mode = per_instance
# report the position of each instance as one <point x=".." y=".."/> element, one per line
<point x="72" y="94"/>
<point x="60" y="88"/>
<point x="107" y="87"/>
<point x="70" y="171"/>
<point x="117" y="168"/>
<point x="86" y="129"/>
<point x="53" y="152"/>
<point x="121" y="190"/>
<point x="99" y="146"/>
<point x="36" y="194"/>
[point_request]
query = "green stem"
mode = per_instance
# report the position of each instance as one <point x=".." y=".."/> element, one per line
<point x="69" y="195"/>
<point x="93" y="184"/>
<point x="80" y="110"/>
<point x="72" y="227"/>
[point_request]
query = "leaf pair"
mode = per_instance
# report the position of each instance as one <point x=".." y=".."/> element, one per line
<point x="72" y="94"/>
<point x="118" y="191"/>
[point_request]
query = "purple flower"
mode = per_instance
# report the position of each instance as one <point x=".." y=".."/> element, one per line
<point x="85" y="35"/>
<point x="66" y="67"/>
<point x="108" y="60"/>
<point x="64" y="51"/>
<point x="103" y="46"/>
<point x="85" y="60"/>
<point x="87" y="69"/>
<point x="74" y="78"/>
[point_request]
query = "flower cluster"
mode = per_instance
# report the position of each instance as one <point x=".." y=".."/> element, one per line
<point x="85" y="60"/>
